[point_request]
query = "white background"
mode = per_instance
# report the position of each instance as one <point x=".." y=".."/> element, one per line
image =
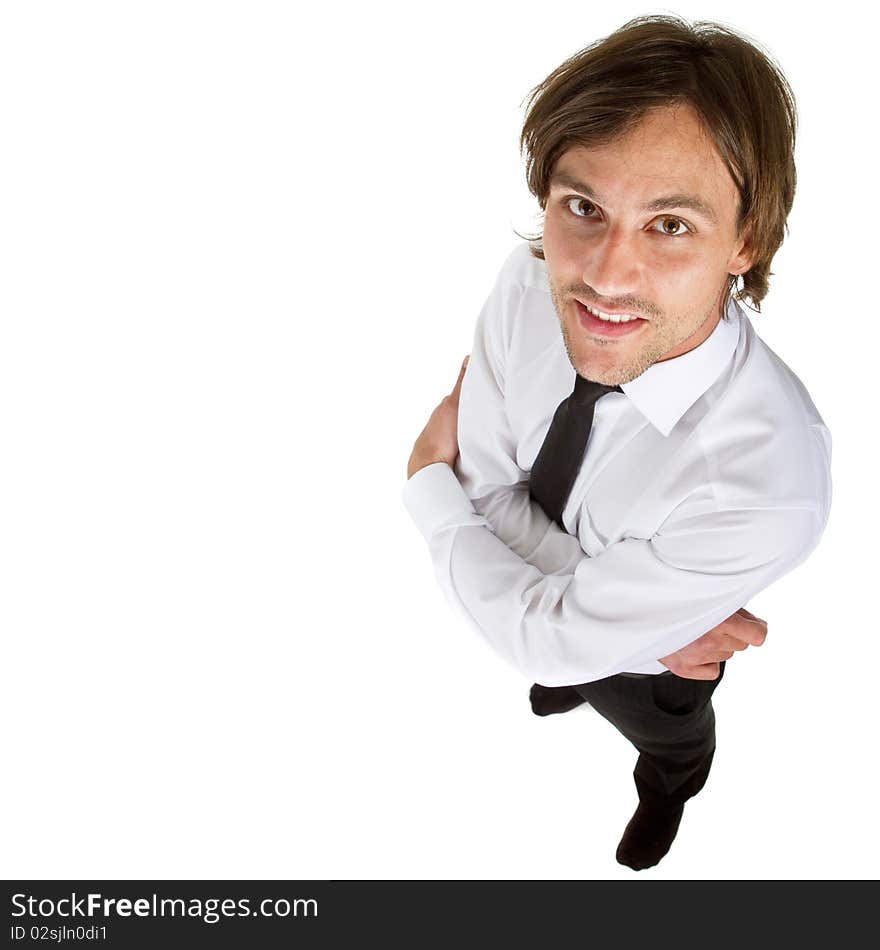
<point x="243" y="249"/>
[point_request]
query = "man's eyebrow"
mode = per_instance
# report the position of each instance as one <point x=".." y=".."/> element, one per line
<point x="664" y="203"/>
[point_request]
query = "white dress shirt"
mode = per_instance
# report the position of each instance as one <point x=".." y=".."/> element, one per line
<point x="703" y="482"/>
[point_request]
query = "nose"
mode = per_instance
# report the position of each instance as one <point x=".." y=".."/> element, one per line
<point x="611" y="264"/>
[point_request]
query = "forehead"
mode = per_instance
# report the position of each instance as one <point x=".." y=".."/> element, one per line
<point x="668" y="152"/>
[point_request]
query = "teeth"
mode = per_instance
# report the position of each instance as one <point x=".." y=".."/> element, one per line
<point x="611" y="317"/>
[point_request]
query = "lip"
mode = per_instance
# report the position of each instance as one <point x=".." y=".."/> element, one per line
<point x="604" y="327"/>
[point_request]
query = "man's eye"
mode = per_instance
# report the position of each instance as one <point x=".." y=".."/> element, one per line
<point x="679" y="227"/>
<point x="577" y="202"/>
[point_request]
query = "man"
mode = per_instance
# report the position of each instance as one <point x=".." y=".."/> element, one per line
<point x="625" y="486"/>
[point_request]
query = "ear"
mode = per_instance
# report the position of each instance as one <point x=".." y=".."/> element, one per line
<point x="743" y="255"/>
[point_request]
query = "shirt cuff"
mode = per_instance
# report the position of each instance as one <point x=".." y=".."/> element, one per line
<point x="435" y="500"/>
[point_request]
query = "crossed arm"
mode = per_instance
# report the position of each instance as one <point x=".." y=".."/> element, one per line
<point x="700" y="659"/>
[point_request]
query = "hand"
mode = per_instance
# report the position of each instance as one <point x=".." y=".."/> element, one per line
<point x="700" y="660"/>
<point x="438" y="441"/>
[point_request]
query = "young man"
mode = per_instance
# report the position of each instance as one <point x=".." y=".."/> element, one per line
<point x="626" y="485"/>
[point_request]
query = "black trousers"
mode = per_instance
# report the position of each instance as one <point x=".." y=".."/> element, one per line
<point x="671" y="723"/>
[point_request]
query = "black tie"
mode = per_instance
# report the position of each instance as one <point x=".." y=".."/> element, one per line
<point x="562" y="451"/>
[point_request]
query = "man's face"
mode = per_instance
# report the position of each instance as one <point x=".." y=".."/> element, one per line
<point x="610" y="243"/>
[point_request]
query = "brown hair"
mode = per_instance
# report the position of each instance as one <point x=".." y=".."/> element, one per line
<point x="733" y="84"/>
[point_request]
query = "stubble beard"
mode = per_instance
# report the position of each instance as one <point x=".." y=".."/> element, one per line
<point x="662" y="340"/>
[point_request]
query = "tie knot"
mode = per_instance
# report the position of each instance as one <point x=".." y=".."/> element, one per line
<point x="588" y="391"/>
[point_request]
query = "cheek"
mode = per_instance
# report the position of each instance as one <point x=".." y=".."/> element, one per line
<point x="694" y="274"/>
<point x="684" y="265"/>
<point x="686" y="271"/>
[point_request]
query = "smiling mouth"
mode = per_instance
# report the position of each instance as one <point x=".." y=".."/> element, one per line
<point x="607" y="325"/>
<point x="610" y="317"/>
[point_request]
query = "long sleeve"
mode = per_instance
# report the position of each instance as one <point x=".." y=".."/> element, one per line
<point x="636" y="601"/>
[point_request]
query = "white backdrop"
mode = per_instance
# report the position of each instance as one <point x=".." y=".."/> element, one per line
<point x="243" y="249"/>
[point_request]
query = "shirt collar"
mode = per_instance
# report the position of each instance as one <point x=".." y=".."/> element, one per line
<point x="666" y="390"/>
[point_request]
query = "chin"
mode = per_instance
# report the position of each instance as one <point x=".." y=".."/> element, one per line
<point x="598" y="360"/>
<point x="598" y="372"/>
<point x="609" y="374"/>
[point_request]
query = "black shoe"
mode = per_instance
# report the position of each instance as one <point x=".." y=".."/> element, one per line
<point x="547" y="700"/>
<point x="649" y="835"/>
